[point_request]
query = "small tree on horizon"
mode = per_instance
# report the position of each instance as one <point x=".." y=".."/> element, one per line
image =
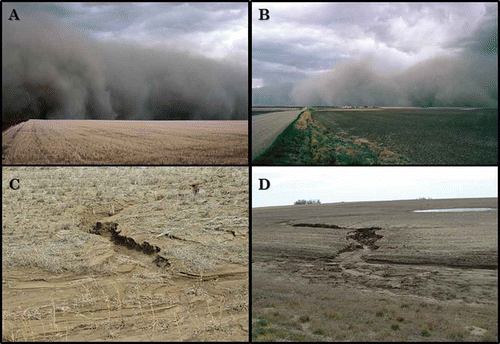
<point x="303" y="201"/>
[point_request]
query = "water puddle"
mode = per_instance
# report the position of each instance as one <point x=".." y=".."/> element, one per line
<point x="454" y="210"/>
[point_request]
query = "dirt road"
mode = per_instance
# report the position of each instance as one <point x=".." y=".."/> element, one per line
<point x="267" y="127"/>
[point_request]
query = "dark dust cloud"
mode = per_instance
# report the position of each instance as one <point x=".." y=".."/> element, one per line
<point x="51" y="71"/>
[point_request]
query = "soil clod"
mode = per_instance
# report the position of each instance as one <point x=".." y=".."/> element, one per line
<point x="366" y="236"/>
<point x="161" y="262"/>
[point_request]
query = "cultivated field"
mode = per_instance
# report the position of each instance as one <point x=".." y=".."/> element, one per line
<point x="445" y="136"/>
<point x="259" y="110"/>
<point x="168" y="261"/>
<point x="375" y="271"/>
<point x="83" y="142"/>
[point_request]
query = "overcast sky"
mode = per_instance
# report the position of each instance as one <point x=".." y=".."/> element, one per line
<point x="352" y="184"/>
<point x="303" y="39"/>
<point x="216" y="30"/>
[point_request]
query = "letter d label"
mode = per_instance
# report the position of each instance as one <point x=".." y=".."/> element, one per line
<point x="262" y="181"/>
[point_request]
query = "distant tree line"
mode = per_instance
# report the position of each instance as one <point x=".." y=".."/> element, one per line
<point x="311" y="201"/>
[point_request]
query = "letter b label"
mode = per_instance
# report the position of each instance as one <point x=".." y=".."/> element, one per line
<point x="264" y="14"/>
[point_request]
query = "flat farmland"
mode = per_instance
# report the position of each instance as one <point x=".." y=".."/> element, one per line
<point x="82" y="142"/>
<point x="376" y="271"/>
<point x="441" y="136"/>
<point x="125" y="254"/>
<point x="262" y="109"/>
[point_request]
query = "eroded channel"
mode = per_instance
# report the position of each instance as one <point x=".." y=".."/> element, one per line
<point x="355" y="265"/>
<point x="363" y="237"/>
<point x="110" y="230"/>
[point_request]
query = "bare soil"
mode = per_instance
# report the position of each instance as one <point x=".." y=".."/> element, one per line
<point x="125" y="254"/>
<point x="375" y="271"/>
<point x="89" y="142"/>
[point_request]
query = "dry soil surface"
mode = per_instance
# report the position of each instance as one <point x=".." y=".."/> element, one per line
<point x="376" y="271"/>
<point x="89" y="142"/>
<point x="175" y="270"/>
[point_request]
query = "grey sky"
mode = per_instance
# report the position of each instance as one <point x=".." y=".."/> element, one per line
<point x="216" y="30"/>
<point x="305" y="39"/>
<point x="351" y="184"/>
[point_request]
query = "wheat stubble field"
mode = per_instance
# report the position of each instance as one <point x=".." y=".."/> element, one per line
<point x="84" y="142"/>
<point x="177" y="270"/>
<point x="375" y="271"/>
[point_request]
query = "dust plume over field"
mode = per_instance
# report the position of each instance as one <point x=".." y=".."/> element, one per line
<point x="468" y="81"/>
<point x="376" y="271"/>
<point x="53" y="71"/>
<point x="75" y="142"/>
<point x="125" y="254"/>
<point x="377" y="54"/>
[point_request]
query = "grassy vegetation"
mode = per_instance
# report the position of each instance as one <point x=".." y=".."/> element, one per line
<point x="306" y="142"/>
<point x="308" y="312"/>
<point x="424" y="136"/>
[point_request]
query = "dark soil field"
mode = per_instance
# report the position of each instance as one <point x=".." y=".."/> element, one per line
<point x="375" y="271"/>
<point x="425" y="136"/>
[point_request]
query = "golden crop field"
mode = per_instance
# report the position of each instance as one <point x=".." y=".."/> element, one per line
<point x="89" y="142"/>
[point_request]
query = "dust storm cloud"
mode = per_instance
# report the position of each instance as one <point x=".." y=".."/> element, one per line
<point x="460" y="82"/>
<point x="52" y="71"/>
<point x="376" y="54"/>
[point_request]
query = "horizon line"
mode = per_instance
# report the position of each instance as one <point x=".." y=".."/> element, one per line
<point x="393" y="200"/>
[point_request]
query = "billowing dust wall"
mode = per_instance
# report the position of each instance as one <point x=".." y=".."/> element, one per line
<point x="51" y="71"/>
